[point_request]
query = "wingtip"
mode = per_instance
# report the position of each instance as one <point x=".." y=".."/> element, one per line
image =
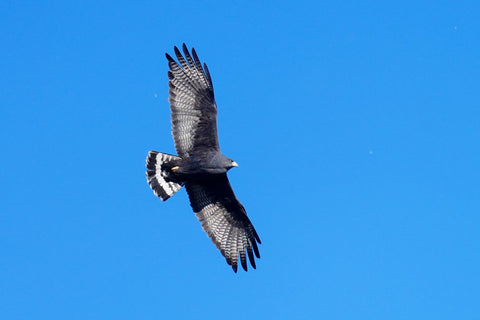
<point x="185" y="50"/>
<point x="251" y="257"/>
<point x="177" y="53"/>
<point x="257" y="237"/>
<point x="169" y="57"/>
<point x="243" y="261"/>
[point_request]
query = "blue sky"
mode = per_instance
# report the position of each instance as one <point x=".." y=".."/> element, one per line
<point x="355" y="125"/>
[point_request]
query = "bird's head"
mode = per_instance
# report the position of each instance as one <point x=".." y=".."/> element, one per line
<point x="233" y="164"/>
<point x="228" y="163"/>
<point x="223" y="163"/>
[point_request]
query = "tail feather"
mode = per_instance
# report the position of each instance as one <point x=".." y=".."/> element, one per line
<point x="158" y="174"/>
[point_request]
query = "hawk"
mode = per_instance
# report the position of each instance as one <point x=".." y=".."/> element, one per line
<point x="199" y="164"/>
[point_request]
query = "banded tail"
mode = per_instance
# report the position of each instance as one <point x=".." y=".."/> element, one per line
<point x="158" y="173"/>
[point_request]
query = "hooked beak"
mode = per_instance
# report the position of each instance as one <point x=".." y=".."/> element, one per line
<point x="234" y="164"/>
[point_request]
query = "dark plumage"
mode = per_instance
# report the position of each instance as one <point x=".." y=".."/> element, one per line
<point x="200" y="166"/>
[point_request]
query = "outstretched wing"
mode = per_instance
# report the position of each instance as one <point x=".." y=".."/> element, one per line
<point x="192" y="102"/>
<point x="224" y="219"/>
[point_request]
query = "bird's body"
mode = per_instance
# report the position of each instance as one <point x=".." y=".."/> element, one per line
<point x="199" y="165"/>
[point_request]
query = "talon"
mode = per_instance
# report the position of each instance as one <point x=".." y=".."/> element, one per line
<point x="175" y="168"/>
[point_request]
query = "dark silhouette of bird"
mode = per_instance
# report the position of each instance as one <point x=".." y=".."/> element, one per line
<point x="199" y="164"/>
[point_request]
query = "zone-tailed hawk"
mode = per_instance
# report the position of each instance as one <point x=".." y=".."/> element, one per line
<point x="199" y="165"/>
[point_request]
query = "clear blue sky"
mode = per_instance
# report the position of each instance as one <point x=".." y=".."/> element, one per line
<point x="356" y="125"/>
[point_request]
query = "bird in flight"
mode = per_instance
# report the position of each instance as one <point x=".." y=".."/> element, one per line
<point x="199" y="164"/>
